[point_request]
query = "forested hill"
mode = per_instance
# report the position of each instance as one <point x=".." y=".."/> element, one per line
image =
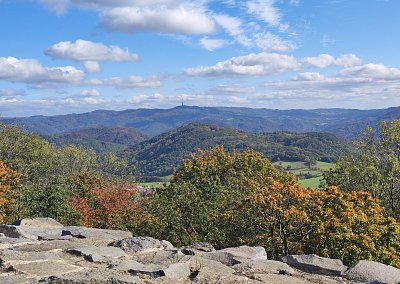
<point x="341" y="122"/>
<point x="101" y="139"/>
<point x="161" y="154"/>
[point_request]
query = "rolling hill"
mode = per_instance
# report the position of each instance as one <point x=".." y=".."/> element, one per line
<point x="160" y="155"/>
<point x="342" y="122"/>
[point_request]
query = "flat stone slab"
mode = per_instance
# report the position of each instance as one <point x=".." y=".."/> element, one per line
<point x="44" y="223"/>
<point x="135" y="245"/>
<point x="45" y="268"/>
<point x="98" y="254"/>
<point x="263" y="266"/>
<point x="280" y="279"/>
<point x="236" y="255"/>
<point x="93" y="276"/>
<point x="137" y="268"/>
<point x="13" y="256"/>
<point x="373" y="272"/>
<point x="95" y="234"/>
<point x="12" y="278"/>
<point x="315" y="264"/>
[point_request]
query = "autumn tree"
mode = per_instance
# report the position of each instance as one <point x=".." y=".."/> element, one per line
<point x="9" y="193"/>
<point x="373" y="165"/>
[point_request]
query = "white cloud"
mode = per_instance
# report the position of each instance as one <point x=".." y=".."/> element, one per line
<point x="212" y="44"/>
<point x="57" y="6"/>
<point x="32" y="71"/>
<point x="322" y="61"/>
<point x="248" y="65"/>
<point x="145" y="99"/>
<point x="83" y="50"/>
<point x="372" y="71"/>
<point x="266" y="11"/>
<point x="272" y="43"/>
<point x="348" y="60"/>
<point x="12" y="93"/>
<point x="230" y="24"/>
<point x="176" y="19"/>
<point x="325" y="60"/>
<point x="90" y="93"/>
<point x="91" y="66"/>
<point x="127" y="82"/>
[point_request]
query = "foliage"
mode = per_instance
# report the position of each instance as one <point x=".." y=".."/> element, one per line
<point x="240" y="198"/>
<point x="46" y="171"/>
<point x="373" y="165"/>
<point x="108" y="206"/>
<point x="160" y="155"/>
<point x="9" y="192"/>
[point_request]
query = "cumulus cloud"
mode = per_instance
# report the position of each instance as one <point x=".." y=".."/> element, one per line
<point x="127" y="82"/>
<point x="84" y="50"/>
<point x="231" y="24"/>
<point x="212" y="44"/>
<point x="248" y="65"/>
<point x="146" y="99"/>
<point x="179" y="19"/>
<point x="90" y="93"/>
<point x="91" y="66"/>
<point x="32" y="71"/>
<point x="325" y="60"/>
<point x="57" y="6"/>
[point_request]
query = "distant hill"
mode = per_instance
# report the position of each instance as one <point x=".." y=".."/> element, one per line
<point x="341" y="122"/>
<point x="159" y="155"/>
<point x="101" y="139"/>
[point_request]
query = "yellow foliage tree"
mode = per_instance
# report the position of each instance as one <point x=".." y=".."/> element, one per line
<point x="9" y="192"/>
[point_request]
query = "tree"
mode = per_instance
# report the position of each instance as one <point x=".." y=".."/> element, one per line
<point x="9" y="193"/>
<point x="373" y="165"/>
<point x="240" y="198"/>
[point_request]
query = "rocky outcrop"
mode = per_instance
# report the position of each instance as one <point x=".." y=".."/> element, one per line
<point x="43" y="251"/>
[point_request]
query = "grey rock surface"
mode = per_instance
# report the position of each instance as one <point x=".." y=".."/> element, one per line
<point x="97" y="254"/>
<point x="263" y="266"/>
<point x="315" y="264"/>
<point x="140" y="244"/>
<point x="236" y="255"/>
<point x="198" y="247"/>
<point x="79" y="255"/>
<point x="373" y="272"/>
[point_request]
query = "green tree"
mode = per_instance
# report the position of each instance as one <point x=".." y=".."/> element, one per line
<point x="373" y="165"/>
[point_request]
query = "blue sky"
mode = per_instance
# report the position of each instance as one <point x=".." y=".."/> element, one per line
<point x="64" y="56"/>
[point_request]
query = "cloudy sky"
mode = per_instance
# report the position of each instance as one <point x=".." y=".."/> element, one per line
<point x="64" y="56"/>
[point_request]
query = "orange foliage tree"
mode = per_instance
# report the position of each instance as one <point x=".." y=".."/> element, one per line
<point x="331" y="223"/>
<point x="9" y="192"/>
<point x="109" y="206"/>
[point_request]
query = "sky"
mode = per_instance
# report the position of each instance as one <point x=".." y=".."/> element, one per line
<point x="73" y="56"/>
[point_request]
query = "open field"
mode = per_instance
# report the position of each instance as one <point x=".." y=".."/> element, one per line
<point x="309" y="176"/>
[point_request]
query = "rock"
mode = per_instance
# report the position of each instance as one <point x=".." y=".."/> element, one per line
<point x="13" y="256"/>
<point x="199" y="246"/>
<point x="13" y="278"/>
<point x="373" y="272"/>
<point x="159" y="257"/>
<point x="34" y="229"/>
<point x="315" y="264"/>
<point x="98" y="254"/>
<point x="44" y="223"/>
<point x="236" y="255"/>
<point x="92" y="276"/>
<point x="177" y="271"/>
<point x="137" y="268"/>
<point x="279" y="279"/>
<point x="263" y="266"/>
<point x="140" y="244"/>
<point x="167" y="245"/>
<point x="95" y="234"/>
<point x="44" y="268"/>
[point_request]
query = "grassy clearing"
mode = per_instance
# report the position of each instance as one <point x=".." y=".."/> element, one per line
<point x="308" y="176"/>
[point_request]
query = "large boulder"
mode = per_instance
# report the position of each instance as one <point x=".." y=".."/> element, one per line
<point x="198" y="247"/>
<point x="373" y="272"/>
<point x="98" y="254"/>
<point x="315" y="264"/>
<point x="34" y="229"/>
<point x="135" y="245"/>
<point x="263" y="266"/>
<point x="95" y="234"/>
<point x="236" y="255"/>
